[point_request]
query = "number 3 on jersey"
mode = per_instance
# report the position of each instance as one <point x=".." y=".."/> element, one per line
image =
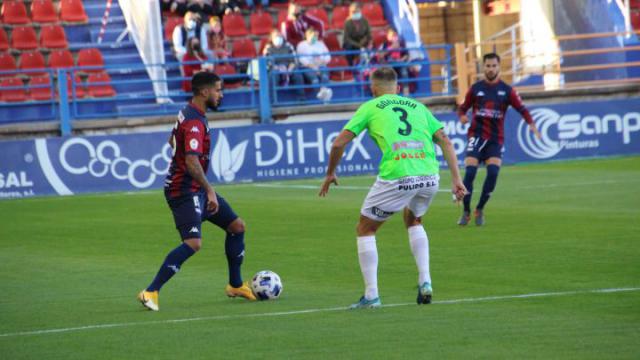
<point x="403" y="118"/>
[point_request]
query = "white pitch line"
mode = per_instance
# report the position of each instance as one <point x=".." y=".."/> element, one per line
<point x="311" y="311"/>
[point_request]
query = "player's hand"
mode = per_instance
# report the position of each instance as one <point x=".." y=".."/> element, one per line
<point x="328" y="180"/>
<point x="535" y="131"/>
<point x="458" y="189"/>
<point x="464" y="119"/>
<point x="212" y="202"/>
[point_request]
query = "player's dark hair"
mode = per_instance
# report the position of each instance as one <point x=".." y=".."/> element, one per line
<point x="490" y="56"/>
<point x="202" y="80"/>
<point x="384" y="74"/>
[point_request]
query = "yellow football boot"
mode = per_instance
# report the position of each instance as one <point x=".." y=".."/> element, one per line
<point x="242" y="291"/>
<point x="149" y="299"/>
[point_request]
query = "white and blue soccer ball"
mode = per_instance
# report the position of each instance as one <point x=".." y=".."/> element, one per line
<point x="266" y="285"/>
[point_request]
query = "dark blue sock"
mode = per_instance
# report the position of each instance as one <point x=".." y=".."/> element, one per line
<point x="489" y="185"/>
<point x="171" y="265"/>
<point x="234" y="248"/>
<point x="469" y="176"/>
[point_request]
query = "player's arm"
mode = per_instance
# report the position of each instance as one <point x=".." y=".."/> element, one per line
<point x="464" y="107"/>
<point x="337" y="149"/>
<point x="516" y="102"/>
<point x="457" y="187"/>
<point x="193" y="148"/>
<point x="197" y="173"/>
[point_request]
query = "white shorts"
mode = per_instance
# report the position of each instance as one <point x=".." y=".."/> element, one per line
<point x="387" y="197"/>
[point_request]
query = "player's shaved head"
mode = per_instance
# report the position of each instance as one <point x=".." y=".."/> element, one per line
<point x="384" y="80"/>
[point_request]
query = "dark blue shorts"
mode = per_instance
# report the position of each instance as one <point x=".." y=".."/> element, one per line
<point x="483" y="149"/>
<point x="190" y="211"/>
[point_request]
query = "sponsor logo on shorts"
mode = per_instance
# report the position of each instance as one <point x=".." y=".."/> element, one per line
<point x="380" y="213"/>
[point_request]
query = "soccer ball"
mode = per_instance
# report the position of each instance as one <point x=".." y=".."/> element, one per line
<point x="266" y="285"/>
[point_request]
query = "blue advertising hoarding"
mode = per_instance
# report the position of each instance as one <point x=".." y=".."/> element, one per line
<point x="131" y="162"/>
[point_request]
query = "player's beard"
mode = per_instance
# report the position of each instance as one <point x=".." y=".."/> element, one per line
<point x="212" y="104"/>
<point x="491" y="78"/>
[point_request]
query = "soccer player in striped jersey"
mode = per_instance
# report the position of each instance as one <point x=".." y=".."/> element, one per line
<point x="489" y="100"/>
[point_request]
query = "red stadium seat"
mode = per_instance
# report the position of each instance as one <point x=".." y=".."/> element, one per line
<point x="233" y="25"/>
<point x="91" y="57"/>
<point x="282" y="17"/>
<point x="4" y="40"/>
<point x="33" y="61"/>
<point x="373" y="13"/>
<point x="261" y="23"/>
<point x="339" y="16"/>
<point x="72" y="11"/>
<point x="243" y="48"/>
<point x="263" y="43"/>
<point x="170" y="23"/>
<point x="635" y="19"/>
<point x="61" y="58"/>
<point x="331" y="40"/>
<point x="12" y="95"/>
<point x="79" y="87"/>
<point x="228" y="69"/>
<point x="379" y="36"/>
<point x="14" y="13"/>
<point x="320" y="14"/>
<point x="339" y="75"/>
<point x="308" y="2"/>
<point x="40" y="88"/>
<point x="43" y="11"/>
<point x="98" y="85"/>
<point x="53" y="37"/>
<point x="7" y="63"/>
<point x="24" y="38"/>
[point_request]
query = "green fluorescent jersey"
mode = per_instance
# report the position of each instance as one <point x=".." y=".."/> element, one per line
<point x="403" y="129"/>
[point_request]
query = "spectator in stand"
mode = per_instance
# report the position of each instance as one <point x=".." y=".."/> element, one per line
<point x="314" y="56"/>
<point x="357" y="33"/>
<point x="223" y="7"/>
<point x="297" y="23"/>
<point x="204" y="8"/>
<point x="193" y="61"/>
<point x="393" y="52"/>
<point x="178" y="7"/>
<point x="283" y="61"/>
<point x="191" y="27"/>
<point x="217" y="40"/>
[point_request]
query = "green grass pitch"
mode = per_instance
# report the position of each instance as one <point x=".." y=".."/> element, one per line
<point x="75" y="262"/>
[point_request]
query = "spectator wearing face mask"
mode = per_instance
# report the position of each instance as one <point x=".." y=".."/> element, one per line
<point x="282" y="59"/>
<point x="193" y="61"/>
<point x="357" y="32"/>
<point x="189" y="29"/>
<point x="297" y="23"/>
<point x="217" y="39"/>
<point x="314" y="56"/>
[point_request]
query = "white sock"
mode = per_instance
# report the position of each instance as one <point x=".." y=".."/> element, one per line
<point x="420" y="248"/>
<point x="368" y="256"/>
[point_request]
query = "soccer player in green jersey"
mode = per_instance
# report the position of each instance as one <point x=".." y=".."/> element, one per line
<point x="408" y="180"/>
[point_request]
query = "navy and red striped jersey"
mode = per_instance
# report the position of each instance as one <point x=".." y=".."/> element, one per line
<point x="190" y="135"/>
<point x="490" y="103"/>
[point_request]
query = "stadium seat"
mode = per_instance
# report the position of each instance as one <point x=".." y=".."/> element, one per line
<point x="339" y="16"/>
<point x="79" y="87"/>
<point x="282" y="17"/>
<point x="32" y="63"/>
<point x="14" y="13"/>
<point x="170" y="23"/>
<point x="233" y="25"/>
<point x="53" y="37"/>
<point x="320" y="14"/>
<point x="228" y="69"/>
<point x="12" y="95"/>
<point x="263" y="43"/>
<point x="243" y="48"/>
<point x="72" y="11"/>
<point x="99" y="85"/>
<point x="261" y="23"/>
<point x="339" y="75"/>
<point x="332" y="42"/>
<point x="635" y="19"/>
<point x="7" y="63"/>
<point x="4" y="40"/>
<point x="91" y="57"/>
<point x="61" y="58"/>
<point x="379" y="36"/>
<point x="373" y="13"/>
<point x="40" y="88"/>
<point x="24" y="38"/>
<point x="308" y="2"/>
<point x="43" y="11"/>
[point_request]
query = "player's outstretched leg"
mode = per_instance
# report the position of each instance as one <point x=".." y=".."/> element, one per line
<point x="487" y="189"/>
<point x="171" y="265"/>
<point x="469" y="177"/>
<point x="234" y="249"/>
<point x="419" y="242"/>
<point x="368" y="259"/>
